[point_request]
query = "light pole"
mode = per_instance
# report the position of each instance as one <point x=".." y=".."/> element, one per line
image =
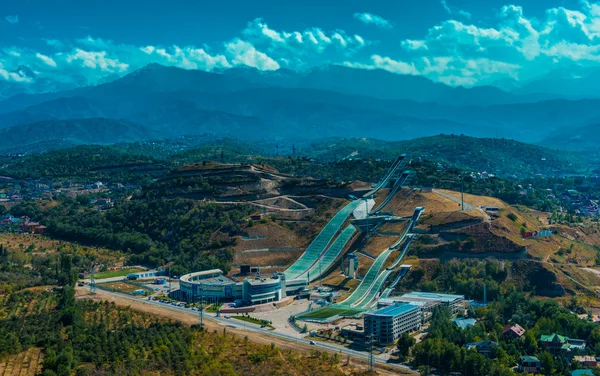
<point x="169" y="272"/>
<point x="92" y="280"/>
<point x="367" y="214"/>
<point x="462" y="192"/>
<point x="201" y="307"/>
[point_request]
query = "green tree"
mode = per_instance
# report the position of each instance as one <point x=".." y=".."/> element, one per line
<point x="405" y="342"/>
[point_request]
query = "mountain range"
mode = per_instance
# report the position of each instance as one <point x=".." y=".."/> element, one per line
<point x="322" y="102"/>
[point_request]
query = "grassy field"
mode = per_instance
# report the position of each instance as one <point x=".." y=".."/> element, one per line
<point x="125" y="287"/>
<point x="330" y="312"/>
<point x="117" y="273"/>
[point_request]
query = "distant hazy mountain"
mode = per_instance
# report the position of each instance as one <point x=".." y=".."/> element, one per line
<point x="375" y="83"/>
<point x="580" y="138"/>
<point x="63" y="133"/>
<point x="321" y="102"/>
<point x="585" y="83"/>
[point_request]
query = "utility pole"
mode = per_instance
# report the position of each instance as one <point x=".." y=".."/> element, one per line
<point x="371" y="358"/>
<point x="320" y="273"/>
<point x="92" y="281"/>
<point x="462" y="193"/>
<point x="367" y="213"/>
<point x="201" y="307"/>
<point x="169" y="272"/>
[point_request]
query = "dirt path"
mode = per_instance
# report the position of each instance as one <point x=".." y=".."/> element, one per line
<point x="190" y="319"/>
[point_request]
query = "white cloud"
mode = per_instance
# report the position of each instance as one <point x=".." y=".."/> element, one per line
<point x="413" y="45"/>
<point x="517" y="46"/>
<point x="454" y="10"/>
<point x="372" y="19"/>
<point x="185" y="57"/>
<point x="455" y="51"/>
<point x="312" y="40"/>
<point x="12" y="76"/>
<point x="12" y="19"/>
<point x="95" y="59"/>
<point x="54" y="43"/>
<point x="244" y="53"/>
<point x="46" y="59"/>
<point x="394" y="66"/>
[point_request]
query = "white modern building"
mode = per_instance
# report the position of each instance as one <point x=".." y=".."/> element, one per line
<point x="214" y="285"/>
<point x="386" y="325"/>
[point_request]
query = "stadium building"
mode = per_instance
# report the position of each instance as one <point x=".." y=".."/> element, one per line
<point x="215" y="286"/>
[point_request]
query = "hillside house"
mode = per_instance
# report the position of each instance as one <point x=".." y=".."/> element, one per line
<point x="29" y="226"/>
<point x="485" y="348"/>
<point x="514" y="331"/>
<point x="529" y="364"/>
<point x="256" y="216"/>
<point x="555" y="344"/>
<point x="41" y="229"/>
<point x="586" y="361"/>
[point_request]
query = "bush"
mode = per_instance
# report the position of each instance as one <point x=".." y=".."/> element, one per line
<point x="511" y="216"/>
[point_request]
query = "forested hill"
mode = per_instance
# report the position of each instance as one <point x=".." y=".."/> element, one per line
<point x="56" y="134"/>
<point x="82" y="162"/>
<point x="151" y="159"/>
<point x="495" y="155"/>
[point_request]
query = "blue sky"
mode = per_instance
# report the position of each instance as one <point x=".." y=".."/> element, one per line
<point x="458" y="42"/>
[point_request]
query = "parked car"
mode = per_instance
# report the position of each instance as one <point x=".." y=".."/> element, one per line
<point x="312" y="342"/>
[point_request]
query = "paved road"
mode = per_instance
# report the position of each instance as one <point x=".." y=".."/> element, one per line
<point x="238" y="324"/>
<point x="457" y="200"/>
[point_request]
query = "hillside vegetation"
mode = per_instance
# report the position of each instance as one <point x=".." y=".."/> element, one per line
<point x="61" y="133"/>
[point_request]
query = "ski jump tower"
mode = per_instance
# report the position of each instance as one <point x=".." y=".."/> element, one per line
<point x="352" y="265"/>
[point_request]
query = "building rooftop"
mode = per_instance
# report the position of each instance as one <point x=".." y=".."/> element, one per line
<point x="430" y="297"/>
<point x="207" y="277"/>
<point x="517" y="329"/>
<point x="582" y="372"/>
<point x="464" y="323"/>
<point x="394" y="310"/>
<point x="263" y="280"/>
<point x="529" y="359"/>
<point x="447" y="298"/>
<point x="552" y="337"/>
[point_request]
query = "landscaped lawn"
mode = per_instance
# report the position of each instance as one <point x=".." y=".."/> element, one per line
<point x="252" y="320"/>
<point x="214" y="307"/>
<point x="117" y="273"/>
